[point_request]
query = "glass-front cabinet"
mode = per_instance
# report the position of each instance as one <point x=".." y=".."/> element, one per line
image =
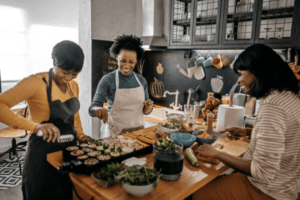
<point x="229" y="23"/>
<point x="181" y="26"/>
<point x="277" y="21"/>
<point x="206" y="22"/>
<point x="239" y="21"/>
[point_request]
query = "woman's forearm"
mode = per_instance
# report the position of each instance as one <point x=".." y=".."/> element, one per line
<point x="237" y="163"/>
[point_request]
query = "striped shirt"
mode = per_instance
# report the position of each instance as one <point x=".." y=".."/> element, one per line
<point x="275" y="146"/>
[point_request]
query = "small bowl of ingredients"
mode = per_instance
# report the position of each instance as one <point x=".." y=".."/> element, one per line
<point x="169" y="128"/>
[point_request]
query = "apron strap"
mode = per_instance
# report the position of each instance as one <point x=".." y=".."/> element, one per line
<point x="117" y="79"/>
<point x="49" y="88"/>
<point x="137" y="79"/>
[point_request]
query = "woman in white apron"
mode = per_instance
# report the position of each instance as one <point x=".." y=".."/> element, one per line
<point x="125" y="90"/>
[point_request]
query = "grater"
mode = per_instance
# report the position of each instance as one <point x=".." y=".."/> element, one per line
<point x="63" y="138"/>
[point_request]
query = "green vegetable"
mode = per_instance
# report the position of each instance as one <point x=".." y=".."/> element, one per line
<point x="172" y="126"/>
<point x="138" y="175"/>
<point x="108" y="173"/>
<point x="191" y="157"/>
<point x="119" y="149"/>
<point x="165" y="144"/>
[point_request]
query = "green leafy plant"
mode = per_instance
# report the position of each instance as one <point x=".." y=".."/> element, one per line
<point x="108" y="173"/>
<point x="138" y="175"/>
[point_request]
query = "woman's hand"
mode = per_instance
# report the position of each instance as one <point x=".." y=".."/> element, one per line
<point x="84" y="139"/>
<point x="101" y="113"/>
<point x="207" y="151"/>
<point x="235" y="133"/>
<point x="148" y="106"/>
<point x="50" y="131"/>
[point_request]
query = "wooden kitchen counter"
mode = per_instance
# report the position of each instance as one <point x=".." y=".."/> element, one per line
<point x="192" y="178"/>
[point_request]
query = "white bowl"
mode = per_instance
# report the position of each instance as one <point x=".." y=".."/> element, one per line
<point x="138" y="191"/>
<point x="169" y="130"/>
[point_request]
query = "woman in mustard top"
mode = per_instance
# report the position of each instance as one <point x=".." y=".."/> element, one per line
<point x="52" y="98"/>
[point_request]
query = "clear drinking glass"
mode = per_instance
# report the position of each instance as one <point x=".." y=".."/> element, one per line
<point x="189" y="113"/>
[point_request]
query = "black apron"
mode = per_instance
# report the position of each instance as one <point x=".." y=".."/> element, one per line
<point x="40" y="179"/>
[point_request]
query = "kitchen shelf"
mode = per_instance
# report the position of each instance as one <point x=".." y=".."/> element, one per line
<point x="182" y="22"/>
<point x="206" y="20"/>
<point x="185" y="1"/>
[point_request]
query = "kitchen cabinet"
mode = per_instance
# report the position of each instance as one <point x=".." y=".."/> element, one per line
<point x="196" y="24"/>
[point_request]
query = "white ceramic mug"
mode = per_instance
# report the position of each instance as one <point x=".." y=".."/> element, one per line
<point x="239" y="99"/>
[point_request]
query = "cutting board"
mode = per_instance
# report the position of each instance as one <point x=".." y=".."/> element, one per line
<point x="233" y="147"/>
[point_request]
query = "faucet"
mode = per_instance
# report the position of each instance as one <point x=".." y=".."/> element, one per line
<point x="190" y="91"/>
<point x="176" y="106"/>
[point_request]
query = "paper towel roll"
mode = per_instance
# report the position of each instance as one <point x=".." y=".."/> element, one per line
<point x="230" y="117"/>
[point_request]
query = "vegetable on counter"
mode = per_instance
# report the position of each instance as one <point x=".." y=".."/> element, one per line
<point x="191" y="157"/>
<point x="165" y="144"/>
<point x="108" y="173"/>
<point x="138" y="175"/>
<point x="171" y="125"/>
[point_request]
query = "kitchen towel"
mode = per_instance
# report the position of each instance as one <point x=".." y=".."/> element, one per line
<point x="230" y="117"/>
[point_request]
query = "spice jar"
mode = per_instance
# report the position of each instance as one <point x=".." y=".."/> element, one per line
<point x="225" y="99"/>
<point x="210" y="119"/>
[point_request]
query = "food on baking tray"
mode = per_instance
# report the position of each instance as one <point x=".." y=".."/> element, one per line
<point x="77" y="153"/>
<point x="114" y="154"/>
<point x="84" y="145"/>
<point x="191" y="157"/>
<point x="91" y="161"/>
<point x="127" y="149"/>
<point x="93" y="146"/>
<point x="93" y="153"/>
<point x="107" y="151"/>
<point x="100" y="148"/>
<point x="72" y="148"/>
<point x="205" y="135"/>
<point x="87" y="150"/>
<point x="82" y="157"/>
<point x="171" y="125"/>
<point x="103" y="157"/>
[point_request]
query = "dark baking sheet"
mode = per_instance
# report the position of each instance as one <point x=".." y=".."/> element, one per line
<point x="88" y="169"/>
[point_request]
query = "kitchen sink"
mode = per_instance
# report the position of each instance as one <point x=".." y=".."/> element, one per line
<point x="160" y="113"/>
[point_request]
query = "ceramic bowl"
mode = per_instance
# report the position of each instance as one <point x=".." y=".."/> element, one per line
<point x="185" y="139"/>
<point x="204" y="140"/>
<point x="169" y="130"/>
<point x="138" y="191"/>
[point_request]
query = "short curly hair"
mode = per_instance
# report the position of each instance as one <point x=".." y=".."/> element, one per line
<point x="127" y="42"/>
<point x="68" y="56"/>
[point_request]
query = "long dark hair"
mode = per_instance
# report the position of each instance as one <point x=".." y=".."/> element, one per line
<point x="270" y="71"/>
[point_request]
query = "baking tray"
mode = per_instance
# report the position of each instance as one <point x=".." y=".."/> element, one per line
<point x="88" y="169"/>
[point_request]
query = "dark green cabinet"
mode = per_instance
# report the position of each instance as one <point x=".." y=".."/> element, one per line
<point x="209" y="24"/>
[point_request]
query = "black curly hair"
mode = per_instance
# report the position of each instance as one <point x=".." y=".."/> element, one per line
<point x="68" y="55"/>
<point x="127" y="42"/>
